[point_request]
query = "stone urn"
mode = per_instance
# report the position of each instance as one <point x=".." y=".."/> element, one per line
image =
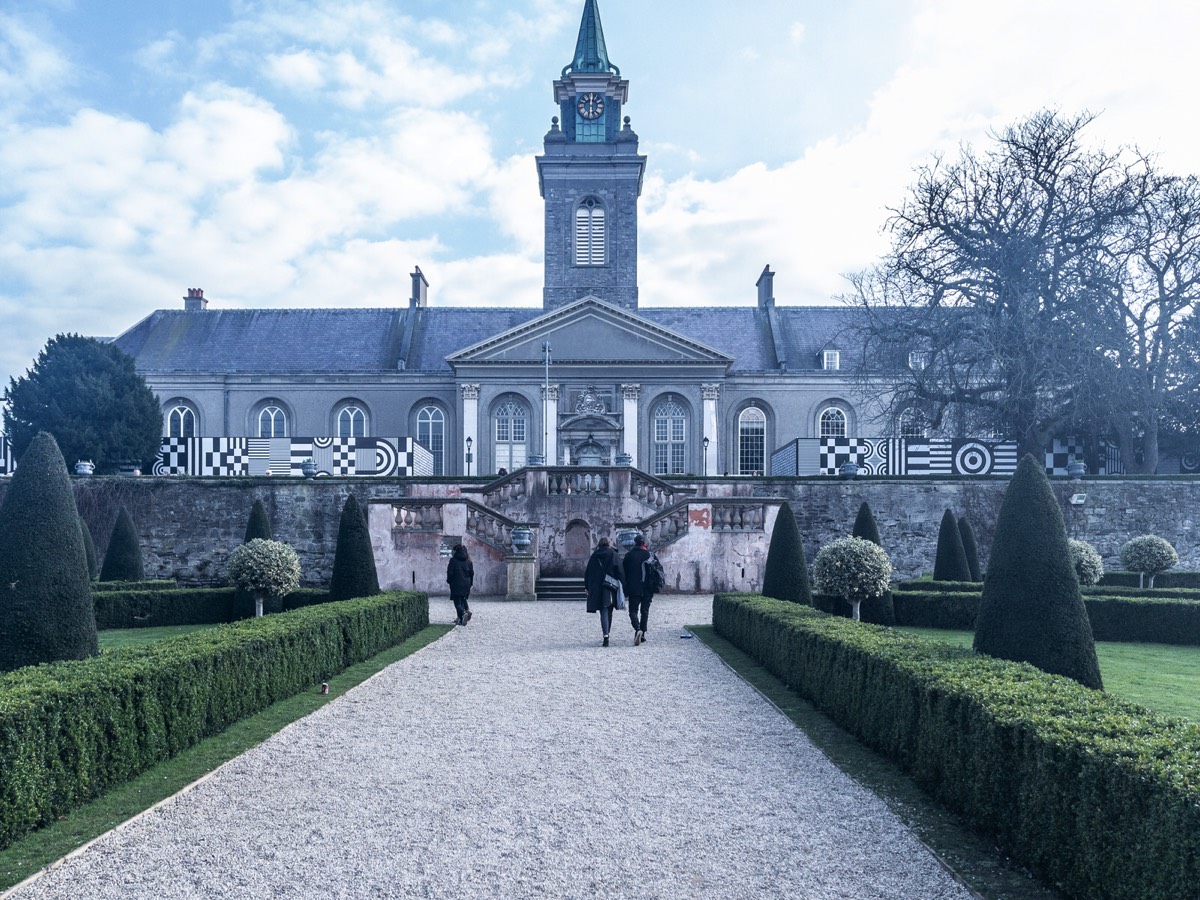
<point x="522" y="537"/>
<point x="536" y="459"/>
<point x="848" y="470"/>
<point x="626" y="537"/>
<point x="308" y="468"/>
<point x="624" y="459"/>
<point x="84" y="468"/>
<point x="1077" y="468"/>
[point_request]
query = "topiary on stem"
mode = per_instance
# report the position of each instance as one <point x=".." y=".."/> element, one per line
<point x="1089" y="567"/>
<point x="950" y="564"/>
<point x="970" y="548"/>
<point x="354" y="573"/>
<point x="785" y="576"/>
<point x="264" y="568"/>
<point x="1031" y="610"/>
<point x="881" y="611"/>
<point x="123" y="558"/>
<point x="1148" y="555"/>
<point x="46" y="610"/>
<point x="853" y="569"/>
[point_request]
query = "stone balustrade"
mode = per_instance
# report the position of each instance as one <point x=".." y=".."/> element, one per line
<point x="417" y="515"/>
<point x="593" y="482"/>
<point x="738" y="516"/>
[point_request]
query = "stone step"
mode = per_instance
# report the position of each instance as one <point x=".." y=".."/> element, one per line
<point x="560" y="589"/>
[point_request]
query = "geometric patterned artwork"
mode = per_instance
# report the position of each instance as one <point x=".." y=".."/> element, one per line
<point x="226" y="457"/>
<point x="1189" y="462"/>
<point x="896" y="456"/>
<point x="7" y="464"/>
<point x="1064" y="450"/>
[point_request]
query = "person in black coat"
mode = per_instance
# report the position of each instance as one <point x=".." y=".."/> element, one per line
<point x="460" y="575"/>
<point x="636" y="592"/>
<point x="600" y="598"/>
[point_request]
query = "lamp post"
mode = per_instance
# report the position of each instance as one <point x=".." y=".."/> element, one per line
<point x="705" y="445"/>
<point x="546" y="458"/>
<point x="469" y="457"/>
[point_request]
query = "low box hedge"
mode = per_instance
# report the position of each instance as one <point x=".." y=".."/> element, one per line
<point x="930" y="586"/>
<point x="1174" y="578"/>
<point x="956" y="611"/>
<point x="185" y="606"/>
<point x="70" y="730"/>
<point x="151" y="585"/>
<point x="1101" y="797"/>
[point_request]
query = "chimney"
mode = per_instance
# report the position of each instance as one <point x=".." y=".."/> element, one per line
<point x="766" y="288"/>
<point x="195" y="300"/>
<point x="420" y="289"/>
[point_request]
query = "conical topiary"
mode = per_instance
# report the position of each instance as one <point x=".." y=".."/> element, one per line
<point x="881" y="609"/>
<point x="786" y="573"/>
<point x="950" y="564"/>
<point x="864" y="525"/>
<point x="970" y="548"/>
<point x="89" y="549"/>
<point x="354" y="572"/>
<point x="123" y="558"/>
<point x="46" y="611"/>
<point x="1031" y="609"/>
<point x="258" y="526"/>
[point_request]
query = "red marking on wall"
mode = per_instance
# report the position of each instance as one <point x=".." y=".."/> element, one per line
<point x="700" y="518"/>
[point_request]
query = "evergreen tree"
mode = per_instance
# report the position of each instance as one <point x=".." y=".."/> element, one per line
<point x="123" y="558"/>
<point x="881" y="609"/>
<point x="864" y="525"/>
<point x="89" y="549"/>
<point x="46" y="610"/>
<point x="258" y="526"/>
<point x="950" y="564"/>
<point x="786" y="574"/>
<point x="1031" y="609"/>
<point x="970" y="547"/>
<point x="354" y="572"/>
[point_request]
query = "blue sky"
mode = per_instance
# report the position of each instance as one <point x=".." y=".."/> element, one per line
<point x="303" y="154"/>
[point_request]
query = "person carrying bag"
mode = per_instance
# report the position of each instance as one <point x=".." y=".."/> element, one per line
<point x="600" y="598"/>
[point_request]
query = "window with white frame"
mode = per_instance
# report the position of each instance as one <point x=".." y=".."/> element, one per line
<point x="181" y="419"/>
<point x="589" y="233"/>
<point x="511" y="422"/>
<point x="431" y="434"/>
<point x="831" y="360"/>
<point x="913" y="424"/>
<point x="351" y="422"/>
<point x="752" y="441"/>
<point x="272" y="421"/>
<point x="669" y="439"/>
<point x="832" y="422"/>
<point x="917" y="360"/>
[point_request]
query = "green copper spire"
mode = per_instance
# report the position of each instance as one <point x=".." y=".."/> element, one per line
<point x="590" y="53"/>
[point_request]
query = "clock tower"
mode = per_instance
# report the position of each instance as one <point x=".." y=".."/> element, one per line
<point x="590" y="177"/>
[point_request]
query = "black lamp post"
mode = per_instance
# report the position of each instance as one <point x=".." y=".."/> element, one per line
<point x="705" y="444"/>
<point x="469" y="457"/>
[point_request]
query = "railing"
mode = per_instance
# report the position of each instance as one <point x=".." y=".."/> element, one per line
<point x="508" y="489"/>
<point x="653" y="492"/>
<point x="590" y="482"/>
<point x="738" y="516"/>
<point x="666" y="527"/>
<point x="493" y="528"/>
<point x="417" y="515"/>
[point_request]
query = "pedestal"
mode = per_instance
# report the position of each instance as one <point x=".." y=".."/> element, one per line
<point x="522" y="578"/>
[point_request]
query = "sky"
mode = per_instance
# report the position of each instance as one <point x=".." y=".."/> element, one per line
<point x="310" y="154"/>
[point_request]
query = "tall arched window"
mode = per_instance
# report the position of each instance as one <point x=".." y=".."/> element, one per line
<point x="752" y="442"/>
<point x="669" y="439"/>
<point x="272" y="421"/>
<point x="913" y="424"/>
<point x="833" y="422"/>
<point x="351" y="422"/>
<point x="181" y="420"/>
<point x="589" y="233"/>
<point x="431" y="434"/>
<point x="511" y="420"/>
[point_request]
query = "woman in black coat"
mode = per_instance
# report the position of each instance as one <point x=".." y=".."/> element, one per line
<point x="460" y="575"/>
<point x="600" y="598"/>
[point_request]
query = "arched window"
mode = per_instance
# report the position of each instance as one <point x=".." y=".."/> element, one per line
<point x="511" y="420"/>
<point x="272" y="421"/>
<point x="669" y="439"/>
<point x="431" y="434"/>
<point x="589" y="233"/>
<point x="913" y="424"/>
<point x="752" y="442"/>
<point x="351" y="422"/>
<point x="181" y="419"/>
<point x="833" y="422"/>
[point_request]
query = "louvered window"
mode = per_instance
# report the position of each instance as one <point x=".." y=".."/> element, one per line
<point x="589" y="233"/>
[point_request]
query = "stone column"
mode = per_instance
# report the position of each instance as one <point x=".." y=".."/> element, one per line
<point x="550" y="405"/>
<point x="470" y="426"/>
<point x="710" y="393"/>
<point x="629" y="420"/>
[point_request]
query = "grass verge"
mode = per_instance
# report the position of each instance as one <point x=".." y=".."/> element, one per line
<point x="974" y="860"/>
<point x="1163" y="677"/>
<point x="122" y="803"/>
<point x="120" y="638"/>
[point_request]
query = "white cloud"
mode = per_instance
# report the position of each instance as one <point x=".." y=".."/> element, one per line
<point x="30" y="66"/>
<point x="796" y="32"/>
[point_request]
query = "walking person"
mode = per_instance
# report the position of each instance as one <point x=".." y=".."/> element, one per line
<point x="600" y="598"/>
<point x="637" y="592"/>
<point x="460" y="575"/>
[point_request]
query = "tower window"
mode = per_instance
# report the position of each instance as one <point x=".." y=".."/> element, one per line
<point x="589" y="233"/>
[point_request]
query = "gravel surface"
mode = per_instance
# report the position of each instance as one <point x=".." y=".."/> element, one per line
<point x="517" y="758"/>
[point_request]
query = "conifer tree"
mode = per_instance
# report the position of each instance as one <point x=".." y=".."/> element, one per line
<point x="1031" y="609"/>
<point x="881" y="609"/>
<point x="950" y="564"/>
<point x="123" y="558"/>
<point x="89" y="549"/>
<point x="786" y="574"/>
<point x="865" y="526"/>
<point x="46" y="610"/>
<point x="970" y="548"/>
<point x="354" y="573"/>
<point x="258" y="525"/>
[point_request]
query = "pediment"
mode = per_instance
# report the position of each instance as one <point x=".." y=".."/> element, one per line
<point x="590" y="331"/>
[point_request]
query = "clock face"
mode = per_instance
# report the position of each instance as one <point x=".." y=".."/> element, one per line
<point x="591" y="105"/>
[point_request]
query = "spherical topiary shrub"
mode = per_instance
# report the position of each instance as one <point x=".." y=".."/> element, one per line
<point x="950" y="564"/>
<point x="876" y="610"/>
<point x="264" y="568"/>
<point x="1089" y="567"/>
<point x="786" y="574"/>
<point x="853" y="569"/>
<point x="354" y="573"/>
<point x="123" y="558"/>
<point x="1148" y="555"/>
<point x="970" y="548"/>
<point x="46" y="610"/>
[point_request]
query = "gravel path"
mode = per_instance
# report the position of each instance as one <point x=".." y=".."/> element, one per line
<point x="517" y="758"/>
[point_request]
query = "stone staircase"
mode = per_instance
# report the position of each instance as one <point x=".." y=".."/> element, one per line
<point x="561" y="589"/>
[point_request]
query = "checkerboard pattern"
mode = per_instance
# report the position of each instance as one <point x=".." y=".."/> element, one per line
<point x="6" y="461"/>
<point x="231" y="457"/>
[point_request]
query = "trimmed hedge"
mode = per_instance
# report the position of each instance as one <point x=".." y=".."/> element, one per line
<point x="927" y="585"/>
<point x="185" y="606"/>
<point x="876" y="610"/>
<point x="71" y="730"/>
<point x="1098" y="795"/>
<point x="1172" y="579"/>
<point x="165" y="584"/>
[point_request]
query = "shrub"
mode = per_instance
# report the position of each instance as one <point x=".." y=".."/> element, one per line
<point x="89" y="549"/>
<point x="1148" y="555"/>
<point x="970" y="548"/>
<point x="354" y="572"/>
<point x="123" y="558"/>
<point x="1088" y="564"/>
<point x="950" y="564"/>
<point x="853" y="569"/>
<point x="264" y="568"/>
<point x="1031" y="609"/>
<point x="258" y="525"/>
<point x="45" y="593"/>
<point x="865" y="526"/>
<point x="158" y="607"/>
<point x="877" y="610"/>
<point x="785" y="576"/>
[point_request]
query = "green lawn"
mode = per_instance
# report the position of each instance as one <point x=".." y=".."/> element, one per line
<point x="1164" y="677"/>
<point x="120" y="638"/>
